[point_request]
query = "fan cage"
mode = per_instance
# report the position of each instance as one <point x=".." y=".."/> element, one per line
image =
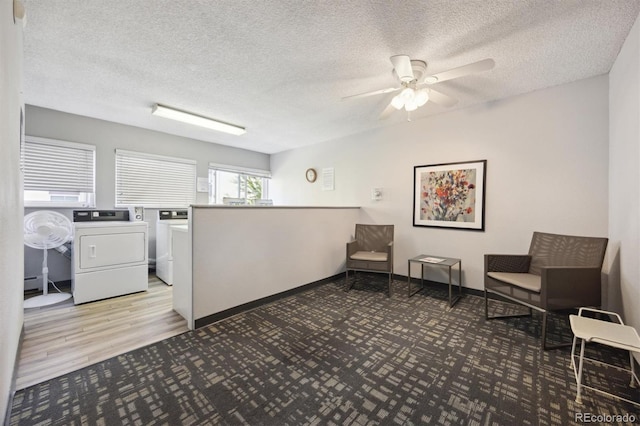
<point x="45" y="229"/>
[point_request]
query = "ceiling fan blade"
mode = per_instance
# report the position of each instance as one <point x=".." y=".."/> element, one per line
<point x="375" y="92"/>
<point x="480" y="66"/>
<point x="402" y="66"/>
<point x="441" y="99"/>
<point x="387" y="112"/>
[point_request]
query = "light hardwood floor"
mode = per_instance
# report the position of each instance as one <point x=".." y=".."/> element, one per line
<point x="62" y="338"/>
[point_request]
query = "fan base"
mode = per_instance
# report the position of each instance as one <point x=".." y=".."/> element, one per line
<point x="46" y="299"/>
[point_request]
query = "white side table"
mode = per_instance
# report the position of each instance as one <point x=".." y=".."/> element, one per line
<point x="612" y="334"/>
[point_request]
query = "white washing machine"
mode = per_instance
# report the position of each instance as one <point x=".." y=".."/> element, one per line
<point x="164" y="236"/>
<point x="110" y="256"/>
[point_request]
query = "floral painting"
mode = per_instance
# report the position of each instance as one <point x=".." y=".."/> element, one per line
<point x="450" y="195"/>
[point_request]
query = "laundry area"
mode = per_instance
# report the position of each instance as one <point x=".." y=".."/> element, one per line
<point x="107" y="253"/>
<point x="102" y="296"/>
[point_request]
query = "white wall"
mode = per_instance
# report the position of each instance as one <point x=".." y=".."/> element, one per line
<point x="11" y="317"/>
<point x="108" y="136"/>
<point x="624" y="179"/>
<point x="547" y="170"/>
<point x="242" y="254"/>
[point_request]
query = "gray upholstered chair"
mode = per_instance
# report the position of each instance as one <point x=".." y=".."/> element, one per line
<point x="371" y="251"/>
<point x="560" y="272"/>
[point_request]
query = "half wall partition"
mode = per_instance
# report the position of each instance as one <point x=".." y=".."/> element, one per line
<point x="241" y="256"/>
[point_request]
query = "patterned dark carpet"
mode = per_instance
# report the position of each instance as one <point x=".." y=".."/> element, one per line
<point x="329" y="357"/>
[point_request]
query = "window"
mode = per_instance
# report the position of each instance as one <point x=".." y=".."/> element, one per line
<point x="237" y="182"/>
<point x="154" y="181"/>
<point x="58" y="173"/>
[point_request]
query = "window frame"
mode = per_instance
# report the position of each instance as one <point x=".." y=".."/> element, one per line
<point x="243" y="173"/>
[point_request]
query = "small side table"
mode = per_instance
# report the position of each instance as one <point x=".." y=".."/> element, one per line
<point x="428" y="260"/>
<point x="612" y="334"/>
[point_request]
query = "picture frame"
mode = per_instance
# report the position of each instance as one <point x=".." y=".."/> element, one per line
<point x="450" y="195"/>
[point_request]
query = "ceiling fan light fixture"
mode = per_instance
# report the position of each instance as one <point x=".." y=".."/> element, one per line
<point x="422" y="97"/>
<point x="196" y="120"/>
<point x="408" y="94"/>
<point x="411" y="105"/>
<point x="397" y="102"/>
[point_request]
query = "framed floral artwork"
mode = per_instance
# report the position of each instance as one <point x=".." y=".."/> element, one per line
<point x="450" y="195"/>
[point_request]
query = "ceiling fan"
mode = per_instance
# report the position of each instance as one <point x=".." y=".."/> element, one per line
<point x="415" y="86"/>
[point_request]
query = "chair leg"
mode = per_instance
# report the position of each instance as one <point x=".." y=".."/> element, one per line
<point x="579" y="377"/>
<point x="486" y="306"/>
<point x="544" y="336"/>
<point x="544" y="323"/>
<point x="486" y="311"/>
<point x="348" y="285"/>
<point x="544" y="331"/>
<point x="633" y="370"/>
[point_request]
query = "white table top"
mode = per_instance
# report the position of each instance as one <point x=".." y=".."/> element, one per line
<point x="608" y="333"/>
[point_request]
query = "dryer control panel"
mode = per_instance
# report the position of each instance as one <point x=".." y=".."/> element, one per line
<point x="101" y="215"/>
<point x="173" y="214"/>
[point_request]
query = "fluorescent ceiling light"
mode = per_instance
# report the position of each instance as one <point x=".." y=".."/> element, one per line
<point x="197" y="120"/>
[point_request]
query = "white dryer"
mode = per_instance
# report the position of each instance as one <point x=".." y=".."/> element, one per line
<point x="110" y="257"/>
<point x="164" y="237"/>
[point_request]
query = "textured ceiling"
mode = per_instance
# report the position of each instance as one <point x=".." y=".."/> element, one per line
<point x="280" y="67"/>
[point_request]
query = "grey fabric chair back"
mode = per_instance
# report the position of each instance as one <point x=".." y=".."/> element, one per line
<point x="565" y="250"/>
<point x="374" y="237"/>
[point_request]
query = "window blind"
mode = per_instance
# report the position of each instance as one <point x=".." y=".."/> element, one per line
<point x="58" y="166"/>
<point x="154" y="181"/>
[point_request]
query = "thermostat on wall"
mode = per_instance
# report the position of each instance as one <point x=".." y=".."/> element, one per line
<point x="376" y="194"/>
